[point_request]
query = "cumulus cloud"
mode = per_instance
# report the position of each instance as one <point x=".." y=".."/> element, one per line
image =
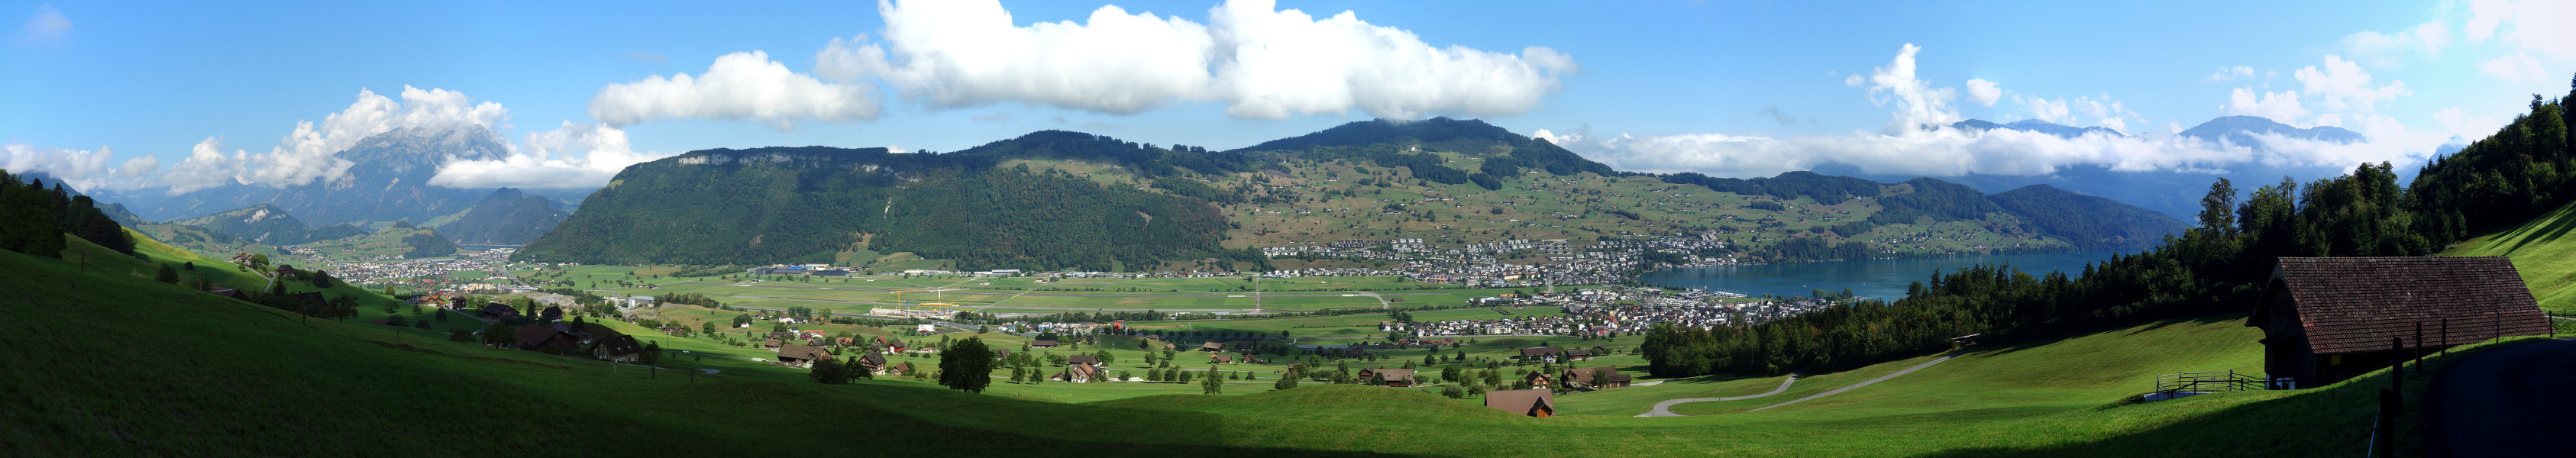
<point x="2538" y="25"/>
<point x="1984" y="92"/>
<point x="205" y="167"/>
<point x="2279" y="106"/>
<point x="87" y="170"/>
<point x="48" y="26"/>
<point x="310" y="152"/>
<point x="1918" y="104"/>
<point x="2044" y="109"/>
<point x="742" y="85"/>
<point x="1941" y="151"/>
<point x="2339" y="84"/>
<point x="571" y="156"/>
<point x="2229" y="74"/>
<point x="2385" y="48"/>
<point x="1261" y="62"/>
<point x="2518" y="68"/>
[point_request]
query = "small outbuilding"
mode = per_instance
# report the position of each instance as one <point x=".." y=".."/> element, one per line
<point x="2329" y="319"/>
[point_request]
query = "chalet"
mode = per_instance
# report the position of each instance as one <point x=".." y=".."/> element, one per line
<point x="770" y="343"/>
<point x="1221" y="358"/>
<point x="1543" y="354"/>
<point x="551" y="313"/>
<point x="541" y="338"/>
<point x="1080" y="373"/>
<point x="616" y="347"/>
<point x="874" y="364"/>
<point x="499" y="311"/>
<point x="1592" y="377"/>
<point x="843" y="341"/>
<point x="1042" y="344"/>
<point x="1535" y="403"/>
<point x="1211" y="346"/>
<point x="1578" y="354"/>
<point x="1536" y="379"/>
<point x="2329" y="319"/>
<point x="1394" y="377"/>
<point x="782" y="335"/>
<point x="1248" y="358"/>
<point x="801" y="355"/>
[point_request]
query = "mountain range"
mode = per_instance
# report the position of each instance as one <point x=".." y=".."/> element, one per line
<point x="2174" y="193"/>
<point x="1068" y="200"/>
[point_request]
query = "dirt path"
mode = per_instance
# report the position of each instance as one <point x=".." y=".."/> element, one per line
<point x="2509" y="401"/>
<point x="1660" y="407"/>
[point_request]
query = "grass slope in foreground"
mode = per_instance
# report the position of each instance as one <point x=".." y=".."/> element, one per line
<point x="233" y="378"/>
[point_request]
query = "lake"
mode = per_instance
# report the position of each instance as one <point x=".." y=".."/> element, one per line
<point x="1884" y="279"/>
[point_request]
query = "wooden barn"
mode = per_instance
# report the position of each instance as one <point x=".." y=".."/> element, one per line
<point x="2329" y="319"/>
<point x="1535" y="403"/>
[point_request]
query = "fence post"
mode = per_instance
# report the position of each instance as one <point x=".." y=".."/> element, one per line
<point x="2396" y="365"/>
<point x="2418" y="355"/>
<point x="2446" y="336"/>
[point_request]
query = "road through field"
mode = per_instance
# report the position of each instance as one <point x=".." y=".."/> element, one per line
<point x="2509" y="401"/>
<point x="1660" y="407"/>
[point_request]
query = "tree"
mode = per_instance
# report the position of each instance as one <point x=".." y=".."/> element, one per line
<point x="1212" y="385"/>
<point x="259" y="263"/>
<point x="166" y="275"/>
<point x="829" y="371"/>
<point x="652" y="353"/>
<point x="966" y="365"/>
<point x="1285" y="382"/>
<point x="1453" y="392"/>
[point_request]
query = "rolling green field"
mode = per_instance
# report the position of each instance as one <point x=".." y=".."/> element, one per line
<point x="258" y="381"/>
<point x="2540" y="252"/>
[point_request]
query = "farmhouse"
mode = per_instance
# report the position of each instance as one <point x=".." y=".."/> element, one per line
<point x="1536" y="379"/>
<point x="801" y="355"/>
<point x="1221" y="358"/>
<point x="1079" y="373"/>
<point x="616" y="347"/>
<point x="541" y="338"/>
<point x="1535" y="403"/>
<point x="1591" y="377"/>
<point x="1211" y="346"/>
<point x="2329" y="319"/>
<point x="1578" y="354"/>
<point x="874" y="363"/>
<point x="1042" y="344"/>
<point x="1547" y="354"/>
<point x="772" y="342"/>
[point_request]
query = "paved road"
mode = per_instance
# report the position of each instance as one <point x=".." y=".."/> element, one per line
<point x="1881" y="378"/>
<point x="2509" y="401"/>
<point x="1660" y="406"/>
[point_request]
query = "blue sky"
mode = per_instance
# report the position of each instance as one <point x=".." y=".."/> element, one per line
<point x="185" y="95"/>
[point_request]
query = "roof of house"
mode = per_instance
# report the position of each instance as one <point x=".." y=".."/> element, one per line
<point x="1042" y="343"/>
<point x="2356" y="304"/>
<point x="499" y="310"/>
<point x="808" y="353"/>
<point x="1578" y="352"/>
<point x="1221" y="358"/>
<point x="1520" y="402"/>
<point x="1395" y="374"/>
<point x="1212" y="346"/>
<point x="620" y="344"/>
<point x="1584" y="375"/>
<point x="1539" y="351"/>
<point x="532" y="335"/>
<point x="872" y="360"/>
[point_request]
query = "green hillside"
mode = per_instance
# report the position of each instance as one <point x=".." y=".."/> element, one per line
<point x="268" y="224"/>
<point x="258" y="381"/>
<point x="2540" y="252"/>
<point x="507" y="217"/>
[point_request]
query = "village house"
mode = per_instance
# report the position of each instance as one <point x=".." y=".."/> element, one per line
<point x="546" y="339"/>
<point x="1536" y="379"/>
<point x="801" y="355"/>
<point x="1080" y="369"/>
<point x="616" y="347"/>
<point x="1591" y="377"/>
<point x="1211" y="346"/>
<point x="2329" y="319"/>
<point x="1578" y="354"/>
<point x="1042" y="344"/>
<point x="770" y="343"/>
<point x="874" y="363"/>
<point x="1540" y="354"/>
<point x="1221" y="358"/>
<point x="1535" y="403"/>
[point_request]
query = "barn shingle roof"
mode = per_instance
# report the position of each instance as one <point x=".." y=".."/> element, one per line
<point x="2355" y="304"/>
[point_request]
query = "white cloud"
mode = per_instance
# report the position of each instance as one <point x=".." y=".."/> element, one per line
<point x="2342" y="85"/>
<point x="1952" y="152"/>
<point x="205" y="167"/>
<point x="2043" y="109"/>
<point x="49" y="26"/>
<point x="309" y="153"/>
<point x="86" y="170"/>
<point x="1261" y="62"/>
<point x="571" y="156"/>
<point x="2279" y="106"/>
<point x="1918" y="104"/>
<point x="2384" y="49"/>
<point x="2539" y="25"/>
<point x="1984" y="92"/>
<point x="742" y="85"/>
<point x="2518" y="68"/>
<point x="2229" y="74"/>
